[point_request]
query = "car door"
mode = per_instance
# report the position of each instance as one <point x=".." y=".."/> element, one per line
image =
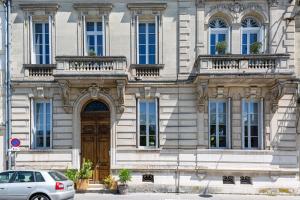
<point x="5" y="178"/>
<point x="21" y="186"/>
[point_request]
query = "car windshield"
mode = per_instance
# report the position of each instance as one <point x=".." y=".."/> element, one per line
<point x="57" y="176"/>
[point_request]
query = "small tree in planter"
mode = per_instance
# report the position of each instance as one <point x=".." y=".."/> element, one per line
<point x="72" y="174"/>
<point x="110" y="183"/>
<point x="221" y="47"/>
<point x="255" y="47"/>
<point x="84" y="174"/>
<point x="124" y="177"/>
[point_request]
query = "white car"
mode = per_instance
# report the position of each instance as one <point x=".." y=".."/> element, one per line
<point x="35" y="185"/>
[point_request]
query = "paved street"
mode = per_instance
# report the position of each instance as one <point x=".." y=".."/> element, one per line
<point x="151" y="196"/>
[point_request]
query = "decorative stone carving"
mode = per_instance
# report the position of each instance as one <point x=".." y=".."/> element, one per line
<point x="94" y="90"/>
<point x="236" y="7"/>
<point x="147" y="92"/>
<point x="277" y="92"/>
<point x="273" y="2"/>
<point x="65" y="94"/>
<point x="41" y="92"/>
<point x="121" y="95"/>
<point x="202" y="90"/>
<point x="253" y="92"/>
<point x="200" y="3"/>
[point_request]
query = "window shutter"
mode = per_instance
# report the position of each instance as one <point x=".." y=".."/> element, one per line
<point x="228" y="123"/>
<point x="261" y="124"/>
<point x="103" y="36"/>
<point x="85" y="52"/>
<point x="50" y="38"/>
<point x="31" y="33"/>
<point x="156" y="39"/>
<point x="137" y="38"/>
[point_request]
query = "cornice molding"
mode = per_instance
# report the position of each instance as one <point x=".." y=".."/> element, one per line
<point x="93" y="6"/>
<point x="52" y="7"/>
<point x="147" y="6"/>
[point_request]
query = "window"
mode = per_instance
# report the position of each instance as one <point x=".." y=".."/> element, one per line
<point x="41" y="45"/>
<point x="39" y="177"/>
<point x="252" y="115"/>
<point x="147" y="43"/>
<point x="218" y="134"/>
<point x="148" y="123"/>
<point x="219" y="32"/>
<point x="57" y="176"/>
<point x="6" y="176"/>
<point x="42" y="124"/>
<point x="251" y="33"/>
<point x="95" y="38"/>
<point x="24" y="177"/>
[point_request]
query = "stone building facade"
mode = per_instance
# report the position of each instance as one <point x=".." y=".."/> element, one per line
<point x="168" y="89"/>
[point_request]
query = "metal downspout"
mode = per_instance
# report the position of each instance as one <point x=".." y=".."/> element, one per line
<point x="7" y="85"/>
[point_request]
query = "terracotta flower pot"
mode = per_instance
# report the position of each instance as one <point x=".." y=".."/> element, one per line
<point x="82" y="184"/>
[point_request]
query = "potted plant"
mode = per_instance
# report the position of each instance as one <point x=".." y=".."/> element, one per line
<point x="221" y="47"/>
<point x="72" y="174"/>
<point x="255" y="47"/>
<point x="84" y="174"/>
<point x="124" y="177"/>
<point x="110" y="183"/>
<point x="92" y="53"/>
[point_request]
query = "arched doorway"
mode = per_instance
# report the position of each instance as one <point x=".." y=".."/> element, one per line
<point x="95" y="138"/>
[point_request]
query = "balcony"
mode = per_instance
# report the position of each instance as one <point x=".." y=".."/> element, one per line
<point x="72" y="67"/>
<point x="39" y="71"/>
<point x="262" y="64"/>
<point x="146" y="71"/>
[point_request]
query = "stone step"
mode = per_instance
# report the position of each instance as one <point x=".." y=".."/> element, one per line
<point x="96" y="186"/>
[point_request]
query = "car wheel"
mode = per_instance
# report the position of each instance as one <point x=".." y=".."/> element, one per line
<point x="39" y="197"/>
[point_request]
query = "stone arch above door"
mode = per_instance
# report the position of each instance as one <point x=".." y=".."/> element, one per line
<point x="78" y="105"/>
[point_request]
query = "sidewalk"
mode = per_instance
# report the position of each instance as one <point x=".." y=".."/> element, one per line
<point x="155" y="196"/>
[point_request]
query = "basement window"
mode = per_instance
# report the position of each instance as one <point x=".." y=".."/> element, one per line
<point x="148" y="178"/>
<point x="228" y="180"/>
<point x="245" y="180"/>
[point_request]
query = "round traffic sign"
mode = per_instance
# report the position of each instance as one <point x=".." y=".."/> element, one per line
<point x="15" y="142"/>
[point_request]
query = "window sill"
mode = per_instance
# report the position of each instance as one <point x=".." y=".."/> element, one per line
<point x="141" y="149"/>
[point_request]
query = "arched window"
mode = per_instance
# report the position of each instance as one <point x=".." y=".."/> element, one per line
<point x="219" y="32"/>
<point x="95" y="106"/>
<point x="251" y="33"/>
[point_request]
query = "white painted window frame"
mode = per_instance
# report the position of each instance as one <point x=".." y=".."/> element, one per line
<point x="147" y="22"/>
<point x="34" y="117"/>
<point x="147" y="123"/>
<point x="217" y="31"/>
<point x="95" y="34"/>
<point x="228" y="123"/>
<point x="32" y="39"/>
<point x="248" y="31"/>
<point x="260" y="124"/>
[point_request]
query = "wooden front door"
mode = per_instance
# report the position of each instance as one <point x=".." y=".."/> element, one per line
<point x="95" y="141"/>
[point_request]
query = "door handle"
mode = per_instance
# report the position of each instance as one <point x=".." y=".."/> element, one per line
<point x="29" y="187"/>
<point x="2" y="188"/>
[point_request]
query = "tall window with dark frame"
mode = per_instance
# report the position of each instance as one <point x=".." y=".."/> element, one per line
<point x="41" y="45"/>
<point x="42" y="124"/>
<point x="218" y="124"/>
<point x="148" y="122"/>
<point x="147" y="43"/>
<point x="94" y="38"/>
<point x="251" y="124"/>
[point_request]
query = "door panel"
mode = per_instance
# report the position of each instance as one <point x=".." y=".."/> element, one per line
<point x="95" y="143"/>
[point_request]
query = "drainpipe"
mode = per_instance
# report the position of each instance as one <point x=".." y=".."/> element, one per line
<point x="7" y="84"/>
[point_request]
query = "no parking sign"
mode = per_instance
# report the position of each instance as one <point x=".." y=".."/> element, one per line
<point x="15" y="143"/>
